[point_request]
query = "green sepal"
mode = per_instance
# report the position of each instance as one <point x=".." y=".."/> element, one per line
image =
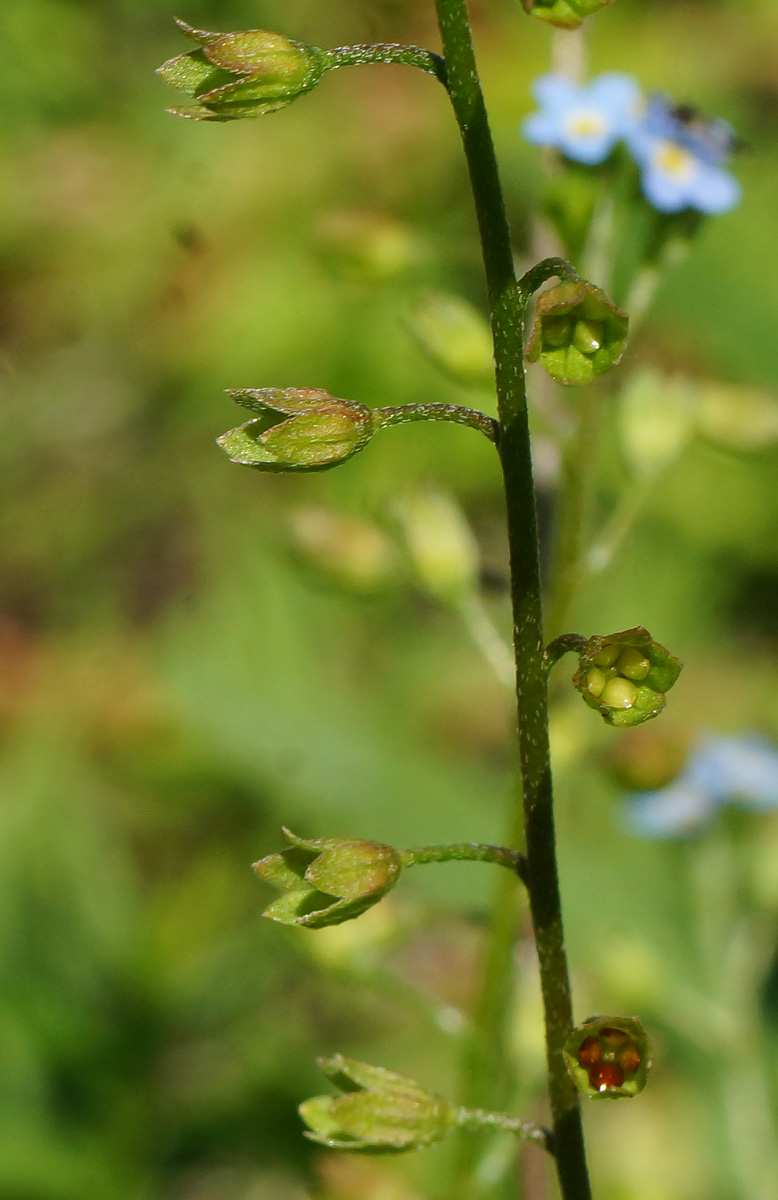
<point x="565" y="14"/>
<point x="578" y="334"/>
<point x="326" y="881"/>
<point x="629" y="667"/>
<point x="321" y="431"/>
<point x="381" y="1112"/>
<point x="609" y="1057"/>
<point x="243" y="74"/>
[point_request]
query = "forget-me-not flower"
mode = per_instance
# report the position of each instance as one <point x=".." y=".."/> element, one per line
<point x="584" y="122"/>
<point x="680" y="157"/>
<point x="740" y="770"/>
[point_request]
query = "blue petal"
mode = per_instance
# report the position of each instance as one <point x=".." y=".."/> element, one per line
<point x="641" y="143"/>
<point x="555" y="93"/>
<point x="741" y="769"/>
<point x="715" y="190"/>
<point x="541" y="129"/>
<point x="617" y="94"/>
<point x="677" y="811"/>
<point x="589" y="150"/>
<point x="663" y="192"/>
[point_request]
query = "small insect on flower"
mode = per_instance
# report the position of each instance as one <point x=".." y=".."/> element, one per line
<point x="680" y="154"/>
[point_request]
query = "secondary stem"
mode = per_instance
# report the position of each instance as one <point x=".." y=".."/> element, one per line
<point x="507" y="312"/>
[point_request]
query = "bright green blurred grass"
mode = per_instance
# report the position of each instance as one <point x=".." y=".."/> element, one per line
<point x="175" y="684"/>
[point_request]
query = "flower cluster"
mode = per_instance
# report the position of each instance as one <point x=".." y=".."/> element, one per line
<point x="679" y="153"/>
<point x="742" y="771"/>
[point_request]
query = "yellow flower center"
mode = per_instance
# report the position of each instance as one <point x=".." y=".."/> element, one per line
<point x="586" y="124"/>
<point x="673" y="160"/>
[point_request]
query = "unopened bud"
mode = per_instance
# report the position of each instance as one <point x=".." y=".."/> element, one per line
<point x="326" y="881"/>
<point x="456" y="337"/>
<point x="244" y="74"/>
<point x="380" y="1111"/>
<point x="625" y="676"/>
<point x="565" y="14"/>
<point x="608" y="1057"/>
<point x="440" y="545"/>
<point x="321" y="431"/>
<point x="578" y="334"/>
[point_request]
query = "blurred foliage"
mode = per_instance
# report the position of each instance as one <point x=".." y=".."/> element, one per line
<point x="177" y="678"/>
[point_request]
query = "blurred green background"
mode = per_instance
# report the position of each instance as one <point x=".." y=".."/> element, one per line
<point x="180" y="671"/>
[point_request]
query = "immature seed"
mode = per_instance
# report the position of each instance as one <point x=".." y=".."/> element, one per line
<point x="629" y="1058"/>
<point x="556" y="331"/>
<point x="589" y="1052"/>
<point x="588" y="336"/>
<point x="613" y="1037"/>
<point x="607" y="656"/>
<point x="595" y="682"/>
<point x="619" y="693"/>
<point x="632" y="664"/>
<point x="606" y="1075"/>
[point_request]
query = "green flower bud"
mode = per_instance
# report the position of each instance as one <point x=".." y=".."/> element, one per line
<point x="326" y="881"/>
<point x="625" y="676"/>
<point x="245" y="74"/>
<point x="380" y="1112"/>
<point x="655" y="421"/>
<point x="456" y="337"/>
<point x="608" y="1057"/>
<point x="321" y="432"/>
<point x="440" y="545"/>
<point x="578" y="334"/>
<point x="566" y="14"/>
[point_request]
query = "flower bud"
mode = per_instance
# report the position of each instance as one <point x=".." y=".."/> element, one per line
<point x="441" y="548"/>
<point x="325" y="881"/>
<point x="321" y="432"/>
<point x="242" y="74"/>
<point x="565" y="14"/>
<point x="578" y="334"/>
<point x="456" y="337"/>
<point x="608" y="1057"/>
<point x="380" y="1111"/>
<point x="625" y="676"/>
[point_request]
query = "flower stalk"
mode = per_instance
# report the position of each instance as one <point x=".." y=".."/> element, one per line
<point x="506" y="305"/>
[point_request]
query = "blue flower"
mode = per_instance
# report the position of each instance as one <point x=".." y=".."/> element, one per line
<point x="680" y="157"/>
<point x="585" y="123"/>
<point x="721" y="770"/>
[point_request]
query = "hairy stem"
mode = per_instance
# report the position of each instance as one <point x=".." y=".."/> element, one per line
<point x="507" y="313"/>
<point x="514" y="860"/>
<point x="403" y="414"/>
<point x="388" y="52"/>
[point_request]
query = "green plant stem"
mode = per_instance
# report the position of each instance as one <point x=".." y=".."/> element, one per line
<point x="574" y="510"/>
<point x="541" y="272"/>
<point x="388" y="52"/>
<point x="514" y="860"/>
<point x="568" y="643"/>
<point x="507" y="313"/>
<point x="479" y="1118"/>
<point x="403" y="414"/>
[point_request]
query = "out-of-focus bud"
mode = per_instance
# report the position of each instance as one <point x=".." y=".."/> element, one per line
<point x="325" y="881"/>
<point x="346" y="549"/>
<point x="380" y="1112"/>
<point x="608" y="1057"/>
<point x="321" y="431"/>
<point x="744" y="419"/>
<point x="244" y="74"/>
<point x="656" y="421"/>
<point x="440" y="545"/>
<point x="625" y="676"/>
<point x="578" y="334"/>
<point x="456" y="337"/>
<point x="369" y="247"/>
<point x="566" y="14"/>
